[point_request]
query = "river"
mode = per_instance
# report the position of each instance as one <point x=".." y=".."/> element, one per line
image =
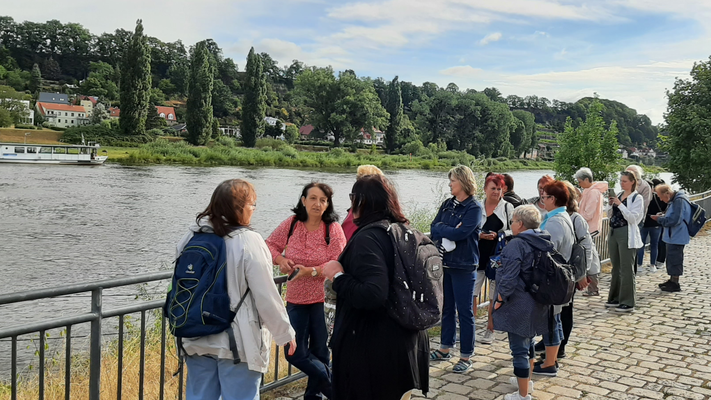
<point x="69" y="224"/>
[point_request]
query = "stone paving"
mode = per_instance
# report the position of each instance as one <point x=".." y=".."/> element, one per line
<point x="660" y="351"/>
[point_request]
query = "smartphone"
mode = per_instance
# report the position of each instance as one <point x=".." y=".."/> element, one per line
<point x="611" y="193"/>
<point x="293" y="275"/>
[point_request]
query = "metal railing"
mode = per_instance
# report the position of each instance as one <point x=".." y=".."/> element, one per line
<point x="96" y="317"/>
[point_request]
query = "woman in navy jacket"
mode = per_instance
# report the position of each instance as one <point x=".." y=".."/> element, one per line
<point x="456" y="229"/>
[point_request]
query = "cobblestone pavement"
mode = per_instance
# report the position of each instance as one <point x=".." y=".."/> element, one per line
<point x="660" y="351"/>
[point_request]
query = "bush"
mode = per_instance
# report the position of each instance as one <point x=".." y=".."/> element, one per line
<point x="337" y="152"/>
<point x="155" y="132"/>
<point x="57" y="128"/>
<point x="23" y="126"/>
<point x="274" y="144"/>
<point x="226" y="141"/>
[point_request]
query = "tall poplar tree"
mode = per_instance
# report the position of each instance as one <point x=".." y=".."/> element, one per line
<point x="135" y="84"/>
<point x="394" y="108"/>
<point x="35" y="78"/>
<point x="255" y="95"/>
<point x="199" y="105"/>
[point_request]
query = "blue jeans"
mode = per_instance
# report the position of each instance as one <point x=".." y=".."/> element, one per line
<point x="459" y="296"/>
<point x="654" y="233"/>
<point x="554" y="337"/>
<point x="311" y="356"/>
<point x="210" y="377"/>
<point x="522" y="352"/>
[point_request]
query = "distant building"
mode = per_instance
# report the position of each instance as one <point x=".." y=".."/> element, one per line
<point x="29" y="114"/>
<point x="63" y="115"/>
<point x="114" y="112"/>
<point x="305" y="131"/>
<point x="230" y="131"/>
<point x="377" y="137"/>
<point x="58" y="98"/>
<point x="167" y="113"/>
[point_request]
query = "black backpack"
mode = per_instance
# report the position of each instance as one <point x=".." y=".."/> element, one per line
<point x="415" y="296"/>
<point x="578" y="258"/>
<point x="551" y="280"/>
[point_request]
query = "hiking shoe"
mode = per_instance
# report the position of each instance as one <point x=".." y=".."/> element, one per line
<point x="517" y="396"/>
<point x="439" y="356"/>
<point x="661" y="285"/>
<point x="538" y="369"/>
<point x="612" y="304"/>
<point x="539" y="347"/>
<point x="462" y="366"/>
<point x="487" y="337"/>
<point x="624" y="308"/>
<point x="671" y="287"/>
<point x="514" y="382"/>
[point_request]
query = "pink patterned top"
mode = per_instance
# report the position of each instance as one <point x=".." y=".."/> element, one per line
<point x="310" y="250"/>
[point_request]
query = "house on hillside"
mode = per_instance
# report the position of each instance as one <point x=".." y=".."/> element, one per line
<point x="232" y="131"/>
<point x="28" y="114"/>
<point x="377" y="137"/>
<point x="114" y="112"/>
<point x="305" y="131"/>
<point x="88" y="102"/>
<point x="58" y="98"/>
<point x="63" y="115"/>
<point x="167" y="113"/>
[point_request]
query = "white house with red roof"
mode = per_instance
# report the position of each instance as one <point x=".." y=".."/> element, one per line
<point x="63" y="115"/>
<point x="377" y="137"/>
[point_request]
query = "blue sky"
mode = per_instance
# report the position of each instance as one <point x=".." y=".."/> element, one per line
<point x="626" y="50"/>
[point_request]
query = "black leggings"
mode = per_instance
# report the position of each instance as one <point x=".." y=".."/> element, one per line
<point x="566" y="319"/>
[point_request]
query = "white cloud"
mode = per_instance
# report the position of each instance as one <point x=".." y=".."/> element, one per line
<point x="492" y="37"/>
<point x="461" y="71"/>
<point x="285" y="52"/>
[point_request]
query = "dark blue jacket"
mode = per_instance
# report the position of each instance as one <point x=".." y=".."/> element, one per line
<point x="466" y="236"/>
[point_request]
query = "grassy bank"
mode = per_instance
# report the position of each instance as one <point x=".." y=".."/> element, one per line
<point x="41" y="136"/>
<point x="28" y="387"/>
<point x="280" y="154"/>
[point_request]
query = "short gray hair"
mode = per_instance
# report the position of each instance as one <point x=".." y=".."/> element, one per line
<point x="584" y="173"/>
<point x="636" y="170"/>
<point x="529" y="216"/>
<point x="465" y="176"/>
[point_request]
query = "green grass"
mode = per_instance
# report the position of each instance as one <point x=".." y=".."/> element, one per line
<point x="270" y="153"/>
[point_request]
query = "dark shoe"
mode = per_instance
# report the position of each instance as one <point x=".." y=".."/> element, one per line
<point x="539" y="347"/>
<point x="561" y="354"/>
<point x="671" y="287"/>
<point x="612" y="304"/>
<point x="548" y="371"/>
<point x="542" y="360"/>
<point x="661" y="285"/>
<point x="624" y="308"/>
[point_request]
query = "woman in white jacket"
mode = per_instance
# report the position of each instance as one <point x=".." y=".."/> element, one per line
<point x="211" y="371"/>
<point x="624" y="240"/>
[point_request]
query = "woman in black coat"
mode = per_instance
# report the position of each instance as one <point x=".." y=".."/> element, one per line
<point x="374" y="357"/>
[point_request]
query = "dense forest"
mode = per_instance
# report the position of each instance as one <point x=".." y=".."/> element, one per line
<point x="70" y="58"/>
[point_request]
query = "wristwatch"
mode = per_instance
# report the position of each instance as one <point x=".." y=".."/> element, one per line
<point x="314" y="272"/>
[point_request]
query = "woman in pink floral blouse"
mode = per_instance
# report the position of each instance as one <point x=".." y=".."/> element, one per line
<point x="307" y="241"/>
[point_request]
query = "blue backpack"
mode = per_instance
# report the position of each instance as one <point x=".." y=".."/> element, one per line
<point x="697" y="218"/>
<point x="198" y="303"/>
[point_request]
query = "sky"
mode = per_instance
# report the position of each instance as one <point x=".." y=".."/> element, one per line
<point x="626" y="50"/>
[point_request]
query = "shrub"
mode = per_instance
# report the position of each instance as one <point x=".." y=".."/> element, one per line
<point x="274" y="144"/>
<point x="337" y="152"/>
<point x="23" y="126"/>
<point x="225" y="141"/>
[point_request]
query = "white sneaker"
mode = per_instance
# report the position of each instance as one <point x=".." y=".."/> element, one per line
<point x="514" y="382"/>
<point x="660" y="265"/>
<point x="516" y="396"/>
<point x="652" y="268"/>
<point x="487" y="337"/>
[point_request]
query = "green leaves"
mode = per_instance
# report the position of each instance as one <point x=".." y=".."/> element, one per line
<point x="199" y="105"/>
<point x="254" y="105"/>
<point x="135" y="84"/>
<point x="589" y="145"/>
<point x="688" y="121"/>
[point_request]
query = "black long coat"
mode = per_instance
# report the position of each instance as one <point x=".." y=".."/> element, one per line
<point x="374" y="358"/>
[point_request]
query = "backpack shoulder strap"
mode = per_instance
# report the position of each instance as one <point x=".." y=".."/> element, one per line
<point x="328" y="233"/>
<point x="291" y="229"/>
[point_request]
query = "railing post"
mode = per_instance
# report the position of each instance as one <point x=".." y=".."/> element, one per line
<point x="95" y="347"/>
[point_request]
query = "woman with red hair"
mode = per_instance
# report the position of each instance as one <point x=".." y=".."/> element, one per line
<point x="496" y="215"/>
<point x="538" y="201"/>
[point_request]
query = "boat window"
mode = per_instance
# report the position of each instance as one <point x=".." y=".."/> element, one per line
<point x="45" y="150"/>
<point x="59" y="150"/>
<point x="19" y="150"/>
<point x="32" y="150"/>
<point x="72" y="150"/>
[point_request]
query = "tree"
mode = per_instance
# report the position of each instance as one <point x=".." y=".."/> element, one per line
<point x="52" y="70"/>
<point x="98" y="114"/>
<point x="135" y="84"/>
<point x="199" y="105"/>
<point x="254" y="105"/>
<point x="215" y="128"/>
<point x="291" y="133"/>
<point x="589" y="145"/>
<point x="343" y="105"/>
<point x="35" y="79"/>
<point x="688" y="117"/>
<point x="394" y="108"/>
<point x="522" y="137"/>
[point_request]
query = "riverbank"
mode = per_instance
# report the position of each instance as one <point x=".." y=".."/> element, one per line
<point x="280" y="154"/>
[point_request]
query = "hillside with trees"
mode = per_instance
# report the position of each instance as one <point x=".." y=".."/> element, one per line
<point x="209" y="90"/>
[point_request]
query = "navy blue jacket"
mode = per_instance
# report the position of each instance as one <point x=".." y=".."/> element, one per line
<point x="466" y="236"/>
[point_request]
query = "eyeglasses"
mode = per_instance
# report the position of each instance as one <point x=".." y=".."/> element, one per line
<point x="352" y="196"/>
<point x="513" y="221"/>
<point x="546" y="196"/>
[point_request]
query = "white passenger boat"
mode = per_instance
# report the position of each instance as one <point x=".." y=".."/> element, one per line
<point x="51" y="154"/>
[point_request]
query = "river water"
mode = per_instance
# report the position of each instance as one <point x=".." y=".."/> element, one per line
<point x="70" y="224"/>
